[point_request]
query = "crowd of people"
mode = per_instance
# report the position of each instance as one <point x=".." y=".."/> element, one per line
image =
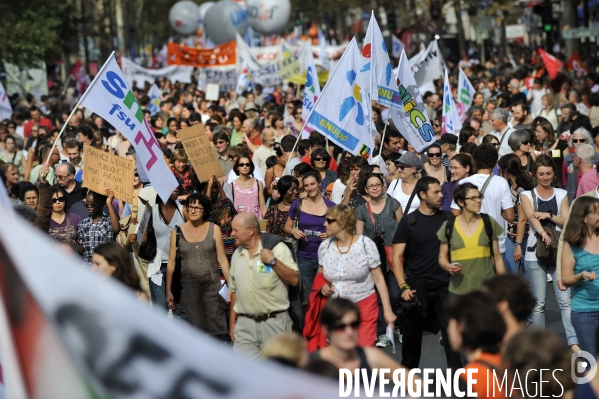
<point x="299" y="235"/>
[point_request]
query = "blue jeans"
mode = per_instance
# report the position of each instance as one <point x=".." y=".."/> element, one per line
<point x="536" y="274"/>
<point x="158" y="293"/>
<point x="511" y="266"/>
<point x="585" y="324"/>
<point x="307" y="270"/>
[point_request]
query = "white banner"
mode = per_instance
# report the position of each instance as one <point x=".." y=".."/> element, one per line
<point x="466" y="94"/>
<point x="339" y="114"/>
<point x="110" y="97"/>
<point x="412" y="121"/>
<point x="141" y="75"/>
<point x="86" y="335"/>
<point x="451" y="122"/>
<point x="5" y="108"/>
<point x="397" y="46"/>
<point x="431" y="66"/>
<point x="223" y="76"/>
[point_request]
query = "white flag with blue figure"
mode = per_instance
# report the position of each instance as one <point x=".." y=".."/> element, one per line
<point x="155" y="94"/>
<point x="397" y="46"/>
<point x="466" y="94"/>
<point x="376" y="72"/>
<point x="450" y="122"/>
<point x="311" y="93"/>
<point x="339" y="113"/>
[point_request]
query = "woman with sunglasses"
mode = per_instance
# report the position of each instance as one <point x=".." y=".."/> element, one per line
<point x="550" y="211"/>
<point x="570" y="175"/>
<point x="467" y="257"/>
<point x="461" y="167"/>
<point x="437" y="128"/>
<point x="248" y="192"/>
<point x="63" y="225"/>
<point x="321" y="161"/>
<point x="277" y="214"/>
<point x="97" y="229"/>
<point x="310" y="214"/>
<point x="521" y="144"/>
<point x="202" y="251"/>
<point x="295" y="126"/>
<point x="350" y="263"/>
<point x="341" y="321"/>
<point x="551" y="145"/>
<point x="434" y="167"/>
<point x="274" y="173"/>
<point x="403" y="189"/>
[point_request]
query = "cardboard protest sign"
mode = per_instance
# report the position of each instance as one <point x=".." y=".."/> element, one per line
<point x="201" y="153"/>
<point x="102" y="170"/>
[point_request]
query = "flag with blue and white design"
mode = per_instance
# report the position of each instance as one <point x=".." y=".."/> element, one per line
<point x="466" y="94"/>
<point x="311" y="93"/>
<point x="376" y="73"/>
<point x="154" y="94"/>
<point x="339" y="113"/>
<point x="450" y="121"/>
<point x="397" y="46"/>
<point x="323" y="56"/>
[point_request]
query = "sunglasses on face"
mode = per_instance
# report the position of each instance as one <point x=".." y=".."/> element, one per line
<point x="59" y="199"/>
<point x="434" y="155"/>
<point x="436" y="125"/>
<point x="319" y="160"/>
<point x="525" y="143"/>
<point x="401" y="167"/>
<point x="576" y="141"/>
<point x="338" y="326"/>
<point x="241" y="165"/>
<point x="136" y="174"/>
<point x="331" y="221"/>
<point x="90" y="205"/>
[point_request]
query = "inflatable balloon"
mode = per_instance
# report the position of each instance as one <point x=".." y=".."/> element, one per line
<point x="268" y="16"/>
<point x="223" y="19"/>
<point x="184" y="17"/>
<point x="203" y="8"/>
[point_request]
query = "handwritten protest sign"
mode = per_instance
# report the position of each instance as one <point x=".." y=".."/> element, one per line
<point x="201" y="153"/>
<point x="102" y="170"/>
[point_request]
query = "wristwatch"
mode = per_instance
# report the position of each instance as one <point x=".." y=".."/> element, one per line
<point x="273" y="262"/>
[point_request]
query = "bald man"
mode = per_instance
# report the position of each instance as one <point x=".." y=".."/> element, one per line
<point x="262" y="268"/>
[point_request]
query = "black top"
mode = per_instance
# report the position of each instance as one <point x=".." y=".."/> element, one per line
<point x="73" y="197"/>
<point x="361" y="352"/>
<point x="421" y="256"/>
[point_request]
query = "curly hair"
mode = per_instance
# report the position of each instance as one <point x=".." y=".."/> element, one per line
<point x="345" y="216"/>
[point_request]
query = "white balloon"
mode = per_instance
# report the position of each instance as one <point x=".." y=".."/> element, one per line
<point x="223" y="19"/>
<point x="203" y="8"/>
<point x="184" y="17"/>
<point x="268" y="16"/>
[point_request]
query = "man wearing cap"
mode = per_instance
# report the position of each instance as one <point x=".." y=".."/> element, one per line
<point x="403" y="189"/>
<point x="449" y="147"/>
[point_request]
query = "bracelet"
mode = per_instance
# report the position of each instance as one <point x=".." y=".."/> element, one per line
<point x="518" y="244"/>
<point x="404" y="286"/>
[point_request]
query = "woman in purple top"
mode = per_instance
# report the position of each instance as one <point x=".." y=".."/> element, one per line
<point x="311" y="212"/>
<point x="63" y="225"/>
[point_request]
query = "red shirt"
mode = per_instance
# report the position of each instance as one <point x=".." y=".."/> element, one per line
<point x="332" y="166"/>
<point x="43" y="122"/>
<point x="485" y="382"/>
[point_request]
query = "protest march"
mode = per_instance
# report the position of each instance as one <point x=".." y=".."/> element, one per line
<point x="268" y="204"/>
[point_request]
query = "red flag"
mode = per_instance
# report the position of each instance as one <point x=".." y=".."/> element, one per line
<point x="81" y="77"/>
<point x="576" y="66"/>
<point x="552" y="64"/>
<point x="529" y="81"/>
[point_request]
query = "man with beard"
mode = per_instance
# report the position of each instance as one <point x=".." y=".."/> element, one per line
<point x="522" y="119"/>
<point x="422" y="282"/>
<point x="265" y="150"/>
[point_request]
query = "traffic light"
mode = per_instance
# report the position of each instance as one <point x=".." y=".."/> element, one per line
<point x="546" y="14"/>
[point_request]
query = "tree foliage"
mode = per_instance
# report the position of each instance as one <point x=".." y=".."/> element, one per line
<point x="33" y="30"/>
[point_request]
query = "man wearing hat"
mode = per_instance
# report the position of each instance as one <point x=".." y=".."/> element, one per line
<point x="449" y="147"/>
<point x="403" y="189"/>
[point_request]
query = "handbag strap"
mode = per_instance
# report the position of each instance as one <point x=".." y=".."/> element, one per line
<point x="482" y="192"/>
<point x="534" y="200"/>
<point x="410" y="201"/>
<point x="376" y="231"/>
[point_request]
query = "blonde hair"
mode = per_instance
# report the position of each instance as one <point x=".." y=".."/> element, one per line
<point x="290" y="346"/>
<point x="179" y="155"/>
<point x="345" y="216"/>
<point x="550" y="100"/>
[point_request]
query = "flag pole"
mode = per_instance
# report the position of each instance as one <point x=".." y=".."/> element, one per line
<point x="66" y="123"/>
<point x="384" y="131"/>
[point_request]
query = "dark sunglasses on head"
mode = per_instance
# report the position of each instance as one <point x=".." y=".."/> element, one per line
<point x="245" y="164"/>
<point x="434" y="155"/>
<point x="576" y="141"/>
<point x="59" y="199"/>
<point x="338" y="326"/>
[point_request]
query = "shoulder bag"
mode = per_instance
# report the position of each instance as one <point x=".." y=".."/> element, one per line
<point x="546" y="253"/>
<point x="176" y="282"/>
<point x="147" y="250"/>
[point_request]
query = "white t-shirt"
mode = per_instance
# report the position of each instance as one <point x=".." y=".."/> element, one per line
<point x="497" y="197"/>
<point x="559" y="194"/>
<point x="396" y="192"/>
<point x="338" y="190"/>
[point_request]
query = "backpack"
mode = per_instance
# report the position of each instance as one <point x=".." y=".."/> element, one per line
<point x="298" y="296"/>
<point x="488" y="230"/>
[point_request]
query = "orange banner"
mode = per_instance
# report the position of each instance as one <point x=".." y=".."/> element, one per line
<point x="221" y="55"/>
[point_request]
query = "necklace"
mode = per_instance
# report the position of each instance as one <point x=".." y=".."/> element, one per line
<point x="348" y="248"/>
